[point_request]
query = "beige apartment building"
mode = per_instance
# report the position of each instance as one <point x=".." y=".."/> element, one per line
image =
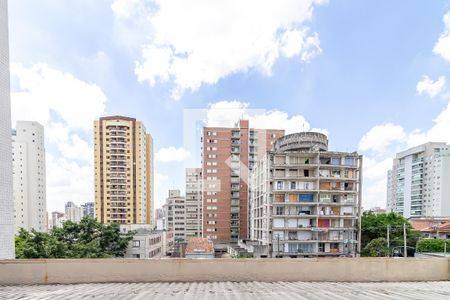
<point x="306" y="200"/>
<point x="228" y="154"/>
<point x="123" y="171"/>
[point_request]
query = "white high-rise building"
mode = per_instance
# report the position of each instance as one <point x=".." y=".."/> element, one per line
<point x="6" y="180"/>
<point x="73" y="212"/>
<point x="29" y="176"/>
<point x="419" y="183"/>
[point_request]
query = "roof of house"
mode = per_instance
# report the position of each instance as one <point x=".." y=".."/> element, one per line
<point x="423" y="223"/>
<point x="199" y="245"/>
<point x="441" y="227"/>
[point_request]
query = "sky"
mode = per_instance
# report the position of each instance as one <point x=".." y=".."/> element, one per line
<point x="372" y="75"/>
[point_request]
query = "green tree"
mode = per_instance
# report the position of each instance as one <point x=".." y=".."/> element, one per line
<point x="87" y="239"/>
<point x="374" y="226"/>
<point x="433" y="245"/>
<point x="376" y="247"/>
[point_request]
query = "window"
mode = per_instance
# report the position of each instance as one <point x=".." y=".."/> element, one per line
<point x="279" y="185"/>
<point x="292" y="185"/>
<point x="136" y="244"/>
<point x="279" y="210"/>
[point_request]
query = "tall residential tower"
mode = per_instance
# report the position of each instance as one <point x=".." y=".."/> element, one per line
<point x="30" y="209"/>
<point x="123" y="171"/>
<point x="306" y="200"/>
<point x="193" y="205"/>
<point x="418" y="184"/>
<point x="228" y="156"/>
<point x="6" y="179"/>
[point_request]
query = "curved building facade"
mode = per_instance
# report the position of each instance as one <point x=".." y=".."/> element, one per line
<point x="302" y="141"/>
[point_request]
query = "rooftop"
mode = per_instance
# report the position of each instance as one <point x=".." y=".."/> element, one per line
<point x="199" y="245"/>
<point x="233" y="290"/>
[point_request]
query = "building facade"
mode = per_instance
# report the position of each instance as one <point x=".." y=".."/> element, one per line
<point x="88" y="209"/>
<point x="228" y="155"/>
<point x="193" y="206"/>
<point x="305" y="200"/>
<point x="57" y="220"/>
<point x="148" y="243"/>
<point x="6" y="179"/>
<point x="73" y="212"/>
<point x="161" y="218"/>
<point x="123" y="171"/>
<point x="418" y="183"/>
<point x="176" y="215"/>
<point x="29" y="176"/>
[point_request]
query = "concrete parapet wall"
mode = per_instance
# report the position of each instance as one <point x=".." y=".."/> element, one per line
<point x="51" y="271"/>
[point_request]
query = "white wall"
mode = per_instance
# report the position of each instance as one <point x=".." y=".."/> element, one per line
<point x="29" y="176"/>
<point x="6" y="181"/>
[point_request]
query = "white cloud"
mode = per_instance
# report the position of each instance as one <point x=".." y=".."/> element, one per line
<point x="228" y="113"/>
<point x="172" y="154"/>
<point x="380" y="137"/>
<point x="43" y="90"/>
<point x="67" y="107"/>
<point x="213" y="39"/>
<point x="379" y="146"/>
<point x="430" y="87"/>
<point x="442" y="46"/>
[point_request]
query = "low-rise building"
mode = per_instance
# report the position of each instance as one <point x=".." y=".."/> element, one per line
<point x="305" y="200"/>
<point x="147" y="243"/>
<point x="435" y="228"/>
<point x="199" y="248"/>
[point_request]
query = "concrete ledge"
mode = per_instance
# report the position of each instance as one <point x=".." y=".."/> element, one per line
<point x="52" y="271"/>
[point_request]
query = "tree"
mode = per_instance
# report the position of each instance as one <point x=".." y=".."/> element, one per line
<point x="433" y="245"/>
<point x="87" y="239"/>
<point x="376" y="247"/>
<point x="374" y="226"/>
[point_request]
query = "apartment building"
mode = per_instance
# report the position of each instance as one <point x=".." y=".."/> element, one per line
<point x="73" y="212"/>
<point x="57" y="220"/>
<point x="6" y="179"/>
<point x="176" y="215"/>
<point x="123" y="171"/>
<point x="160" y="218"/>
<point x="88" y="209"/>
<point x="228" y="155"/>
<point x="306" y="200"/>
<point x="418" y="183"/>
<point x="193" y="206"/>
<point x="29" y="177"/>
<point x="148" y="243"/>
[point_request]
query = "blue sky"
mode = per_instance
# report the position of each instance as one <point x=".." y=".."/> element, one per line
<point x="372" y="74"/>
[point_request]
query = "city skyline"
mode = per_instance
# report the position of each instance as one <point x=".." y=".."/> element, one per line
<point x="369" y="90"/>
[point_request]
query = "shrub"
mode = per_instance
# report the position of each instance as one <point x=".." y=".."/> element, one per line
<point x="432" y="245"/>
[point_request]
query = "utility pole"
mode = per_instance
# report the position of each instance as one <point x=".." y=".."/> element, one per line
<point x="387" y="238"/>
<point x="405" y="254"/>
